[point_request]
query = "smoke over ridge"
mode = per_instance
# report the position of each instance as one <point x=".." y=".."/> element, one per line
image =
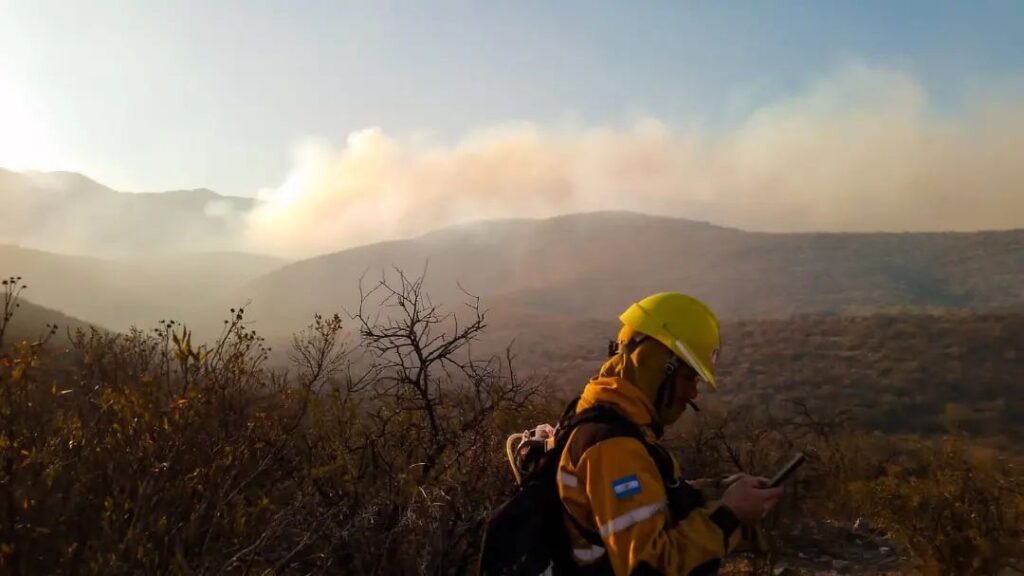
<point x="864" y="149"/>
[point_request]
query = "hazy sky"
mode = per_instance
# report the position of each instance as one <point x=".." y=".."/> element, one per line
<point x="147" y="95"/>
<point x="366" y="121"/>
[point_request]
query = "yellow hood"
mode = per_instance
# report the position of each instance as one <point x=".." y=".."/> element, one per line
<point x="629" y="383"/>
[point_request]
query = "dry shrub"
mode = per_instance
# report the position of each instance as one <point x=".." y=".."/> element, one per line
<point x="146" y="453"/>
<point x="959" y="509"/>
<point x="957" y="506"/>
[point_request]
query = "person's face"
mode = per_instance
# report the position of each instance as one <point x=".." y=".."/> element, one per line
<point x="687" y="380"/>
<point x="684" y="392"/>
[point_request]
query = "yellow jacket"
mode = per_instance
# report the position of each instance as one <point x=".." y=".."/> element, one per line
<point x="613" y="488"/>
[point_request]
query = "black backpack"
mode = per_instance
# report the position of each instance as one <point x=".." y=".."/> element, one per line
<point x="526" y="535"/>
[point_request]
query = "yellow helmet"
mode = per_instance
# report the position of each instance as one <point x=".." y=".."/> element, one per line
<point x="685" y="325"/>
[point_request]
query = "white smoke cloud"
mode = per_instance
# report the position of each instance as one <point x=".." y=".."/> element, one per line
<point x="861" y="150"/>
<point x="218" y="209"/>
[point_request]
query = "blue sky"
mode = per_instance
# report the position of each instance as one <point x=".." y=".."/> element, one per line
<point x="162" y="95"/>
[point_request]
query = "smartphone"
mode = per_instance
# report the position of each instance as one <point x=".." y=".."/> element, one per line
<point x="788" y="469"/>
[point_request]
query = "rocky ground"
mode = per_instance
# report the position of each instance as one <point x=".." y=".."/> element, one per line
<point x="837" y="548"/>
<point x="826" y="548"/>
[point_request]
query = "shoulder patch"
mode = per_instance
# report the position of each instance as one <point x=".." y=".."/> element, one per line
<point x="626" y="486"/>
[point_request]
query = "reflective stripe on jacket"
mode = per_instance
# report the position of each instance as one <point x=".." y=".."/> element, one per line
<point x="613" y="488"/>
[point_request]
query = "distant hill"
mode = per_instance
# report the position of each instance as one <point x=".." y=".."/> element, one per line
<point x="30" y="320"/>
<point x="67" y="212"/>
<point x="593" y="265"/>
<point x="899" y="372"/>
<point x="117" y="293"/>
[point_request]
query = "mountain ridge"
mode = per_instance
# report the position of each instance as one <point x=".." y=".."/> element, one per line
<point x="71" y="213"/>
<point x="67" y="180"/>
<point x="590" y="265"/>
<point x="119" y="292"/>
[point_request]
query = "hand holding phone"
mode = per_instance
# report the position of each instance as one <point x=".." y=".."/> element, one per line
<point x="749" y="499"/>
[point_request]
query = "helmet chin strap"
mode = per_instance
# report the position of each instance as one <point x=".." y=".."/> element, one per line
<point x="666" y="394"/>
<point x="667" y="389"/>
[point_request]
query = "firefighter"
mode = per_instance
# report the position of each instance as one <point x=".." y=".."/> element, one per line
<point x="627" y="511"/>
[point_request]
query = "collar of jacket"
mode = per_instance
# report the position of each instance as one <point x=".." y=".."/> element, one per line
<point x="623" y="396"/>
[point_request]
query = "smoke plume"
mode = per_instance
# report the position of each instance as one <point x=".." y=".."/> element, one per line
<point x="862" y="150"/>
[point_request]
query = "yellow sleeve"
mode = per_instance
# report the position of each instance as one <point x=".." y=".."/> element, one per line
<point x="628" y="502"/>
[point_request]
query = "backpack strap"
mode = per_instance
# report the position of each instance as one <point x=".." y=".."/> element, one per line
<point x="602" y="422"/>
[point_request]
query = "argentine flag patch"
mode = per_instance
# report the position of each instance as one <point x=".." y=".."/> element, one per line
<point x="626" y="486"/>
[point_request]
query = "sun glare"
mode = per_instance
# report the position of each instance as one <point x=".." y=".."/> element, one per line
<point x="26" y="142"/>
